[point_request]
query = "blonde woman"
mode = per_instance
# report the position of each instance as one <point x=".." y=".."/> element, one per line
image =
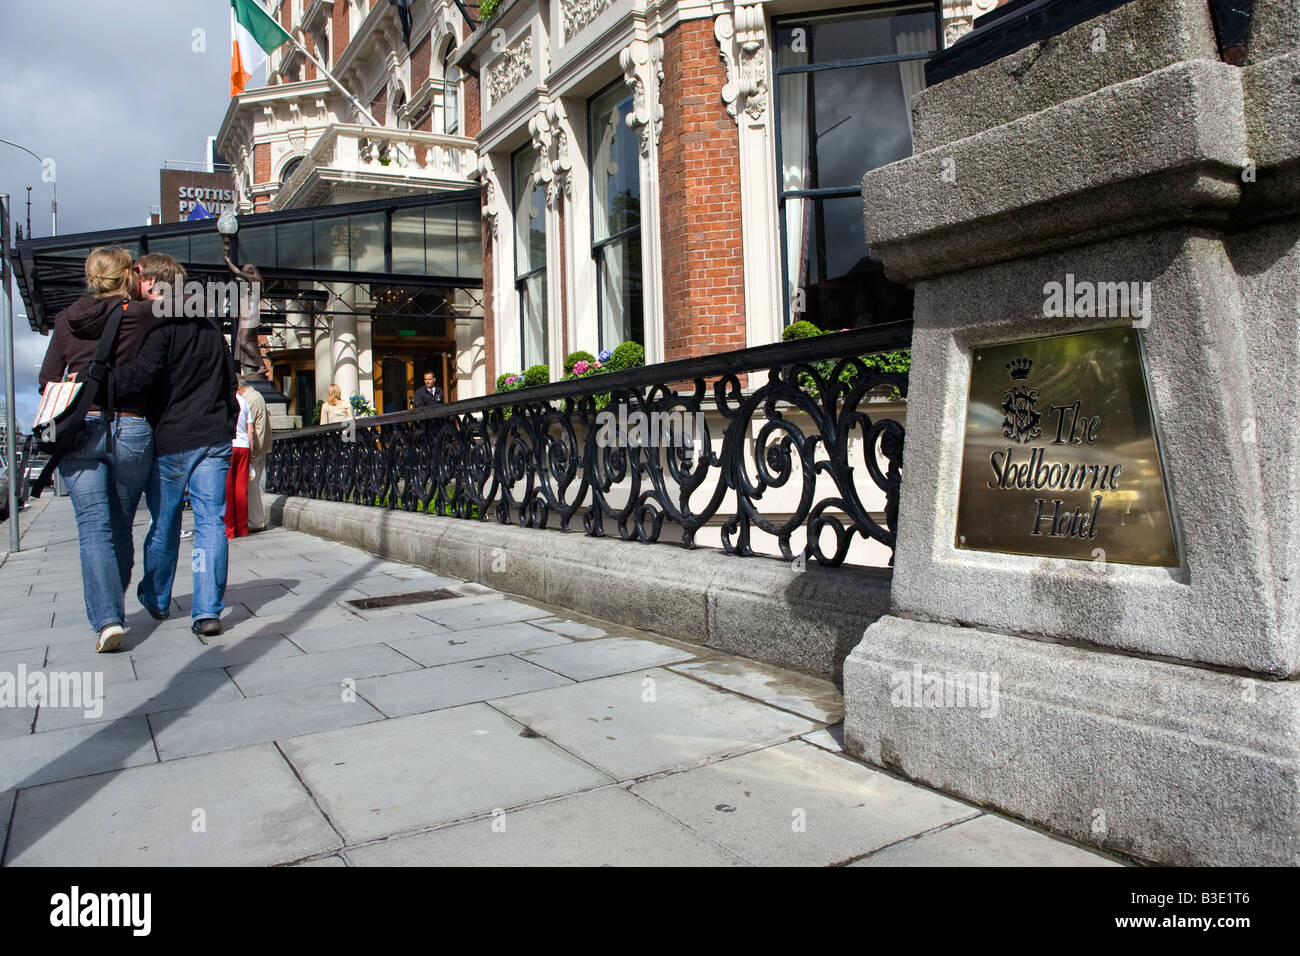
<point x="105" y="478"/>
<point x="335" y="409"/>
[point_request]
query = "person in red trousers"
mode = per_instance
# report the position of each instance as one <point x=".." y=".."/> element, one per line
<point x="237" y="477"/>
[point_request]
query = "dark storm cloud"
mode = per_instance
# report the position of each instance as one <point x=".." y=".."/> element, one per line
<point x="109" y="91"/>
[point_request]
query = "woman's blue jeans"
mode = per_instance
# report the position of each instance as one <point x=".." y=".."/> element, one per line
<point x="105" y="488"/>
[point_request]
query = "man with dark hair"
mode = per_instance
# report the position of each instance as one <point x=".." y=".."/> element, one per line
<point x="428" y="394"/>
<point x="187" y="367"/>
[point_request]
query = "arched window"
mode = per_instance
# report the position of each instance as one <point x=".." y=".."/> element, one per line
<point x="400" y="120"/>
<point x="450" y="95"/>
<point x="290" y="168"/>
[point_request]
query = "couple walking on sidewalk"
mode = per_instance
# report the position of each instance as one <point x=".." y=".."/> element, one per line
<point x="165" y="421"/>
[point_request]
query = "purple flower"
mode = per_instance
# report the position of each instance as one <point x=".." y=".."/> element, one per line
<point x="605" y="355"/>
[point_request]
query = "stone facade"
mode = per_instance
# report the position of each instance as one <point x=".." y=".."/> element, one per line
<point x="1154" y="711"/>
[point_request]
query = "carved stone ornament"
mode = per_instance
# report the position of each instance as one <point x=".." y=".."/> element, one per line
<point x="510" y="68"/>
<point x="578" y="13"/>
<point x="642" y="62"/>
<point x="561" y="165"/>
<point x="539" y="127"/>
<point x="742" y="44"/>
<point x="490" y="211"/>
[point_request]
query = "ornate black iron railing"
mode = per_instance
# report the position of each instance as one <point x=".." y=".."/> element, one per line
<point x="562" y="450"/>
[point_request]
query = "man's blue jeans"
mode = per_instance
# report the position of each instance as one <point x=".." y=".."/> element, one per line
<point x="203" y="470"/>
<point x="105" y="489"/>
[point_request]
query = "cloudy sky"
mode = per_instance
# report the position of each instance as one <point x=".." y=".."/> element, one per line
<point x="110" y="90"/>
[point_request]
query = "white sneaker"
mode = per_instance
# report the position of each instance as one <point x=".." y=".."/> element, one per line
<point x="110" y="638"/>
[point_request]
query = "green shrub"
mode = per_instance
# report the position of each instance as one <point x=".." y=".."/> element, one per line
<point x="628" y="355"/>
<point x="800" y="330"/>
<point x="487" y="9"/>
<point x="537" y="375"/>
<point x="503" y="381"/>
<point x="315" y="415"/>
<point x="573" y="358"/>
<point x="894" y="362"/>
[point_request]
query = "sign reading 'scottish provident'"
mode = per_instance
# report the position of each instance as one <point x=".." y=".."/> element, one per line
<point x="1061" y="458"/>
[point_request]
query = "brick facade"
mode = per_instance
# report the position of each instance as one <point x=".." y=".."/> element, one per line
<point x="310" y="69"/>
<point x="699" y="184"/>
<point x="339" y="32"/>
<point x="261" y="163"/>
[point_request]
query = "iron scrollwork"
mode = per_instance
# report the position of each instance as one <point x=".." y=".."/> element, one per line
<point x="542" y="457"/>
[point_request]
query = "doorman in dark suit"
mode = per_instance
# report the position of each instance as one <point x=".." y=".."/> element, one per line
<point x="428" y="393"/>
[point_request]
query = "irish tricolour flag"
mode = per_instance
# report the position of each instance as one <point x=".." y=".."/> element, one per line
<point x="254" y="35"/>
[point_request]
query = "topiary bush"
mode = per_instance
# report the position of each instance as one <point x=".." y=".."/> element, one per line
<point x="800" y="330"/>
<point x="573" y="358"/>
<point x="628" y="355"/>
<point x="537" y="375"/>
<point x="487" y="9"/>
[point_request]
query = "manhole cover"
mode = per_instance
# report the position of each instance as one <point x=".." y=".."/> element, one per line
<point x="396" y="600"/>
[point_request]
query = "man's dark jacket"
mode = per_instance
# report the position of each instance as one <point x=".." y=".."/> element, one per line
<point x="187" y="368"/>
<point x="425" y="397"/>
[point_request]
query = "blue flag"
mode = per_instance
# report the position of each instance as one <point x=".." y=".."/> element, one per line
<point x="200" y="212"/>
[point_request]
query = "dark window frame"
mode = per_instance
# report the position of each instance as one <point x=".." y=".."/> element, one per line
<point x="828" y="192"/>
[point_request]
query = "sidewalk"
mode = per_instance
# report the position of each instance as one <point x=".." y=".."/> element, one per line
<point x="468" y="728"/>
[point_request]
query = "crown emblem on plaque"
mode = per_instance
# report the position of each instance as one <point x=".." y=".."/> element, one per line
<point x="1019" y="369"/>
<point x="1018" y="404"/>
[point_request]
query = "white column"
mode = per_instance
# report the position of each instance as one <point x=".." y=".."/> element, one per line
<point x="642" y="64"/>
<point x="365" y="360"/>
<point x="471" y="359"/>
<point x="743" y="45"/>
<point x="323" y="347"/>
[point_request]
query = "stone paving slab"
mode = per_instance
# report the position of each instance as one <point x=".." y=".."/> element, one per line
<point x="16" y="721"/>
<point x="607" y="827"/>
<point x="254" y="812"/>
<point x="449" y="647"/>
<point x="327" y="667"/>
<point x="482" y="614"/>
<point x="384" y="778"/>
<point x="796" y="805"/>
<point x="812" y="698"/>
<point x="76" y="752"/>
<point x="146" y="697"/>
<point x="391" y="630"/>
<point x="251" y="720"/>
<point x="194" y="656"/>
<point x="651" y="721"/>
<point x="436" y="688"/>
<point x="587" y="660"/>
<point x="6" y="811"/>
<point x="984" y="841"/>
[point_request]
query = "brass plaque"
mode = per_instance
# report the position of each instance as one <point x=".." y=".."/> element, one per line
<point x="1061" y="458"/>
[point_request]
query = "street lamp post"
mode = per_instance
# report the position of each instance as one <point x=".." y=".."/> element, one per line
<point x="54" y="202"/>
<point x="11" y="418"/>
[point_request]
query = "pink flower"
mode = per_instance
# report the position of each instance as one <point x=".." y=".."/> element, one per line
<point x="581" y="367"/>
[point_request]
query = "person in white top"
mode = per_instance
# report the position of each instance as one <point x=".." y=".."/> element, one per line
<point x="237" y="477"/>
